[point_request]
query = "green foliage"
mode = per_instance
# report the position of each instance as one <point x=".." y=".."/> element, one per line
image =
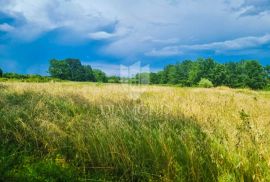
<point x="205" y="83"/>
<point x="243" y="74"/>
<point x="1" y="72"/>
<point x="31" y="169"/>
<point x="219" y="75"/>
<point x="100" y="76"/>
<point x="170" y="72"/>
<point x="256" y="75"/>
<point x="154" y="78"/>
<point x="114" y="79"/>
<point x="71" y="69"/>
<point x="246" y="74"/>
<point x="202" y="68"/>
<point x="182" y="72"/>
<point x="15" y="76"/>
<point x="267" y="70"/>
<point x="26" y="78"/>
<point x="235" y="75"/>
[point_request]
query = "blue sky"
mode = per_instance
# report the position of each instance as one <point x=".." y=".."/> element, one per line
<point x="107" y="33"/>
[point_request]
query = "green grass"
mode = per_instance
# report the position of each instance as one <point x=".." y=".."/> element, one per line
<point x="81" y="132"/>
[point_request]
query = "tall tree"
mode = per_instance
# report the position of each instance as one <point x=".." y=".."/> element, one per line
<point x="100" y="76"/>
<point x="267" y="70"/>
<point x="76" y="70"/>
<point x="154" y="78"/>
<point x="88" y="73"/>
<point x="163" y="77"/>
<point x="1" y="72"/>
<point x="171" y="74"/>
<point x="256" y="75"/>
<point x="182" y="72"/>
<point x="219" y="75"/>
<point x="60" y="69"/>
<point x="114" y="79"/>
<point x="71" y="69"/>
<point x="202" y="68"/>
<point x="236" y="75"/>
<point x="168" y="75"/>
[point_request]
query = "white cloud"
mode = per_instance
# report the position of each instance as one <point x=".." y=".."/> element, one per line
<point x="160" y="41"/>
<point x="236" y="44"/>
<point x="255" y="7"/>
<point x="6" y="27"/>
<point x="166" y="51"/>
<point x="218" y="47"/>
<point x="102" y="35"/>
<point x="154" y="26"/>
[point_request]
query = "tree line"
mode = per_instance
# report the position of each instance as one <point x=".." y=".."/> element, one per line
<point x="67" y="69"/>
<point x="72" y="69"/>
<point x="243" y="74"/>
<point x="208" y="72"/>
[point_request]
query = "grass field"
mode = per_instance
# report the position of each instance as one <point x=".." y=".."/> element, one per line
<point x="106" y="132"/>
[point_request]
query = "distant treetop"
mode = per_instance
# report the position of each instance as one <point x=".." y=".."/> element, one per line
<point x="72" y="69"/>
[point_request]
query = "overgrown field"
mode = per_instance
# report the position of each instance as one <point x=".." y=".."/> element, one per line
<point x="96" y="132"/>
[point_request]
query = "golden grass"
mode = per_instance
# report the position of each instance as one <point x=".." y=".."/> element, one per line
<point x="236" y="123"/>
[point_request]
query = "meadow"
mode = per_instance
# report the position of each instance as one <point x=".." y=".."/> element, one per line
<point x="112" y="132"/>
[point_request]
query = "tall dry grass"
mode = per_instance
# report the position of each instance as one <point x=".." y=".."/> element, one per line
<point x="86" y="131"/>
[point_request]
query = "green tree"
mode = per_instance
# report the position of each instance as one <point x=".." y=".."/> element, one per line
<point x="205" y="83"/>
<point x="267" y="71"/>
<point x="160" y="77"/>
<point x="1" y="72"/>
<point x="236" y="75"/>
<point x="114" y="79"/>
<point x="219" y="75"/>
<point x="248" y="73"/>
<point x="256" y="76"/>
<point x="88" y="73"/>
<point x="163" y="75"/>
<point x="60" y="69"/>
<point x="76" y="70"/>
<point x="202" y="68"/>
<point x="182" y="72"/>
<point x="15" y="76"/>
<point x="171" y="74"/>
<point x="100" y="76"/>
<point x="71" y="69"/>
<point x="154" y="78"/>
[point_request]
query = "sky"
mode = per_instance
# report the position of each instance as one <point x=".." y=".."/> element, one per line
<point x="110" y="33"/>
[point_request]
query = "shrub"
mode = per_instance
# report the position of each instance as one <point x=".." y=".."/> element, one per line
<point x="267" y="87"/>
<point x="205" y="83"/>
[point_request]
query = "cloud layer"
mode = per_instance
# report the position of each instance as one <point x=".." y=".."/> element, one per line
<point x="140" y="29"/>
<point x="242" y="43"/>
<point x="255" y="7"/>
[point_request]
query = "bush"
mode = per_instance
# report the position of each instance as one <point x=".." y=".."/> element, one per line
<point x="205" y="83"/>
<point x="267" y="87"/>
